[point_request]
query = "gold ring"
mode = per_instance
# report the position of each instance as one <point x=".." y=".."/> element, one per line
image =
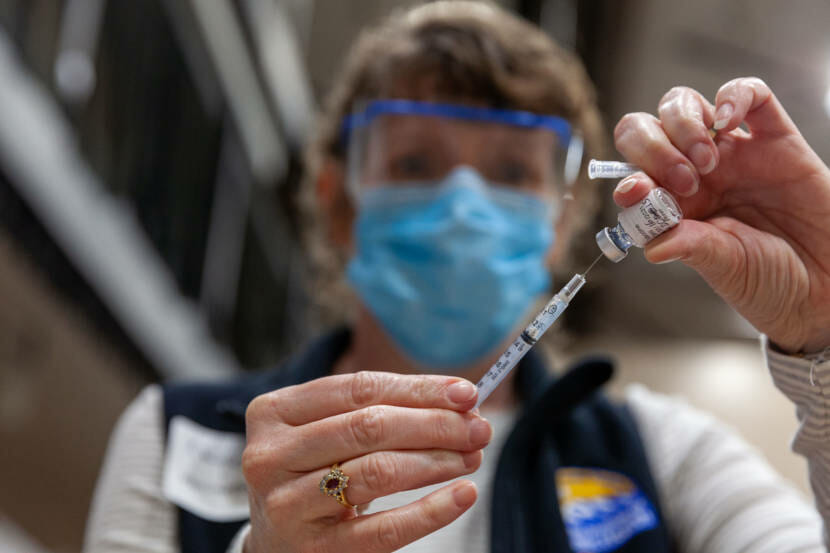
<point x="334" y="483"/>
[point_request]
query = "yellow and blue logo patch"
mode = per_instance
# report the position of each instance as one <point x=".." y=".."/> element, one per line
<point x="601" y="509"/>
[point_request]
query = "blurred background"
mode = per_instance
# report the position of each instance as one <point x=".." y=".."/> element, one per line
<point x="150" y="152"/>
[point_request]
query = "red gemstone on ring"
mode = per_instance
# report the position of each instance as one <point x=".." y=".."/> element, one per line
<point x="332" y="483"/>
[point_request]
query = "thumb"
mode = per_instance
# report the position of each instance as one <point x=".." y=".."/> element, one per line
<point x="711" y="248"/>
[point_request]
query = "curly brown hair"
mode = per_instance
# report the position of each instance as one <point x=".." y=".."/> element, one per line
<point x="453" y="51"/>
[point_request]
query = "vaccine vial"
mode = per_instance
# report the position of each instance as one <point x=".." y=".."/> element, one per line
<point x="639" y="224"/>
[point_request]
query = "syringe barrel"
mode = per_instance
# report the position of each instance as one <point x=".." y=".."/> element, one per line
<point x="501" y="368"/>
<point x="572" y="287"/>
<point x="532" y="332"/>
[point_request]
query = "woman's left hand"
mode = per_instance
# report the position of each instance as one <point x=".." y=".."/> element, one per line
<point x="756" y="204"/>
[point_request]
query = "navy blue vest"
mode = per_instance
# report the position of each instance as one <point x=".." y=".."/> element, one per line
<point x="565" y="424"/>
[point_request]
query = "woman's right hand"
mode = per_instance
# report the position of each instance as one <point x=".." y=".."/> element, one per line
<point x="389" y="432"/>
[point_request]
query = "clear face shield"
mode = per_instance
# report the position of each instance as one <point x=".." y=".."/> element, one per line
<point x="414" y="144"/>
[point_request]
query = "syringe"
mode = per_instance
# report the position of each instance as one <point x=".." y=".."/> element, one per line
<point x="638" y="224"/>
<point x="600" y="169"/>
<point x="604" y="169"/>
<point x="531" y="334"/>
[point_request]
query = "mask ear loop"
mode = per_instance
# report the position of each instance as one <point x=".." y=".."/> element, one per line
<point x="353" y="168"/>
<point x="352" y="131"/>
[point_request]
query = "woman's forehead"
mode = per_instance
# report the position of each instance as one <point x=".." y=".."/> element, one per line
<point x="440" y="88"/>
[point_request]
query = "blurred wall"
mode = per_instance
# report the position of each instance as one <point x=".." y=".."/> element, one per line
<point x="703" y="45"/>
<point x="61" y="389"/>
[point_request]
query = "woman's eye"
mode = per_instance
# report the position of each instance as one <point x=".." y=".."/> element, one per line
<point x="512" y="172"/>
<point x="410" y="166"/>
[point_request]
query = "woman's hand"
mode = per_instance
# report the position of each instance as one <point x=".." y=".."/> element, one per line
<point x="389" y="433"/>
<point x="756" y="204"/>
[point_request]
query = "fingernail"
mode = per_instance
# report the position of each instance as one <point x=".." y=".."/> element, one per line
<point x="669" y="260"/>
<point x="682" y="180"/>
<point x="625" y="185"/>
<point x="723" y="115"/>
<point x="703" y="157"/>
<point x="464" y="495"/>
<point x="480" y="432"/>
<point x="461" y="392"/>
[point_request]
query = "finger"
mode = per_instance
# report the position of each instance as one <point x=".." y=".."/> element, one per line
<point x="332" y="395"/>
<point x="641" y="139"/>
<point x="704" y="246"/>
<point x="750" y="100"/>
<point x="391" y="530"/>
<point x="381" y="474"/>
<point x="632" y="189"/>
<point x="379" y="428"/>
<point x="686" y="118"/>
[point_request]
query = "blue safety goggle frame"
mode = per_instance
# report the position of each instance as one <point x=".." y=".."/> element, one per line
<point x="376" y="108"/>
<point x="370" y="110"/>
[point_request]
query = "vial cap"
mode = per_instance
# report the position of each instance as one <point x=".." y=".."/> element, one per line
<point x="609" y="248"/>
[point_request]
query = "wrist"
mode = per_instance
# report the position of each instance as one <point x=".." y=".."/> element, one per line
<point x="811" y="353"/>
<point x="804" y="343"/>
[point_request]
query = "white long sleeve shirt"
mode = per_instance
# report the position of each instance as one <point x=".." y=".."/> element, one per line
<point x="717" y="492"/>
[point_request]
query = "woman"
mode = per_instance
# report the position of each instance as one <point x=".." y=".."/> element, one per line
<point x="442" y="174"/>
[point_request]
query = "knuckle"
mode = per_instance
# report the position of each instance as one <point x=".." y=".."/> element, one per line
<point x="256" y="409"/>
<point x="390" y="532"/>
<point x="755" y="81"/>
<point x="653" y="148"/>
<point x="676" y="114"/>
<point x="733" y="87"/>
<point x="366" y="388"/>
<point x="433" y="516"/>
<point x="317" y="544"/>
<point x="728" y="85"/>
<point x="756" y="84"/>
<point x="366" y="425"/>
<point x="264" y="406"/>
<point x="442" y="428"/>
<point x="422" y="388"/>
<point x="688" y="120"/>
<point x="275" y="505"/>
<point x="666" y="110"/>
<point x="623" y="125"/>
<point x="673" y="94"/>
<point x="256" y="463"/>
<point x="629" y="123"/>
<point x="379" y="473"/>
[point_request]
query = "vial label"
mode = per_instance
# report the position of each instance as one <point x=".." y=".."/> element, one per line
<point x="654" y="215"/>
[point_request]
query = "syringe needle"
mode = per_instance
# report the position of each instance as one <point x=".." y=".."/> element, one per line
<point x="591" y="266"/>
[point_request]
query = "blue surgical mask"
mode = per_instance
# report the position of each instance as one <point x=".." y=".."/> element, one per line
<point x="449" y="269"/>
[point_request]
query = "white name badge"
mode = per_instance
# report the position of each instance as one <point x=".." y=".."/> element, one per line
<point x="203" y="471"/>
